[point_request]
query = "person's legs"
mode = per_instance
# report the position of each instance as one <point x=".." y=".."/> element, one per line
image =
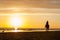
<point x="47" y="28"/>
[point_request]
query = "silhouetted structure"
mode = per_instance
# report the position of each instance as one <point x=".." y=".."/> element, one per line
<point x="47" y="26"/>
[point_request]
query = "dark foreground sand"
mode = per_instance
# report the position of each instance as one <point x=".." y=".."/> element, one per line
<point x="52" y="35"/>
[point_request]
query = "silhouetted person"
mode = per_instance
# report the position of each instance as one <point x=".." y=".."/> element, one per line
<point x="47" y="26"/>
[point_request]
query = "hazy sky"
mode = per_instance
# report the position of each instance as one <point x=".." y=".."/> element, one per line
<point x="30" y="3"/>
<point x="36" y="12"/>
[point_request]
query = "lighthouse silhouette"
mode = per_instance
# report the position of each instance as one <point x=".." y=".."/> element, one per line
<point x="47" y="26"/>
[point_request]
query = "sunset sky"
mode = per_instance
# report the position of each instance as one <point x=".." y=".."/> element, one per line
<point x="31" y="13"/>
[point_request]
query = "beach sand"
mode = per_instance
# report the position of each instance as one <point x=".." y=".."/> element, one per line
<point x="47" y="35"/>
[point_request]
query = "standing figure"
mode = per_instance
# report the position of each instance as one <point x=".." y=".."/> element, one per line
<point x="47" y="26"/>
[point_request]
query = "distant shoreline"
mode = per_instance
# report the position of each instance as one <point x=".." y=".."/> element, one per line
<point x="51" y="30"/>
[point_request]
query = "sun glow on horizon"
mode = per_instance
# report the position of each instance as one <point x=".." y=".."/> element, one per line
<point x="15" y="21"/>
<point x="16" y="30"/>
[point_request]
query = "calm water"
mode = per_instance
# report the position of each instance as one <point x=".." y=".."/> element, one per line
<point x="28" y="30"/>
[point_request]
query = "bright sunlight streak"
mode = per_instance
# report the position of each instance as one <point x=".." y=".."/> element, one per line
<point x="17" y="30"/>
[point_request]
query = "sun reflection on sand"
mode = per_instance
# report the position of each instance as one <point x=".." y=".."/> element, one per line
<point x="16" y="30"/>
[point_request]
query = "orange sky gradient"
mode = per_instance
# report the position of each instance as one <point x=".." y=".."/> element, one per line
<point x="34" y="13"/>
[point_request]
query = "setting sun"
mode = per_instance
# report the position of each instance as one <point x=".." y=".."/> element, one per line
<point x="15" y="21"/>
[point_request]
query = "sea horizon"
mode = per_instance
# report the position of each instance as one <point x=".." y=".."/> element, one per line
<point x="29" y="30"/>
